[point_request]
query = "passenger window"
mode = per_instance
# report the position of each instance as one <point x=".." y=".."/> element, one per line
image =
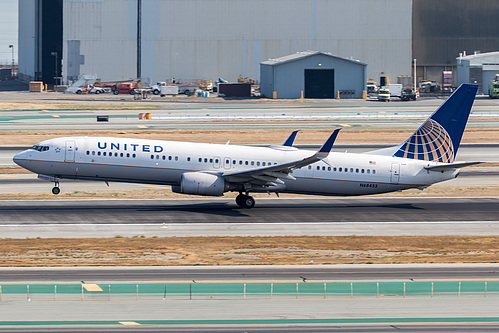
<point x="252" y="162"/>
<point x="240" y="162"/>
<point x="341" y="169"/>
<point x="176" y="158"/>
<point x="263" y="163"/>
<point x="157" y="157"/>
<point x="246" y="162"/>
<point x="368" y="170"/>
<point x="134" y="155"/>
<point x="374" y="171"/>
<point x="205" y="160"/>
<point x="357" y="170"/>
<point x="152" y="157"/>
<point x="169" y="158"/>
<point x="115" y="154"/>
<point x="334" y="169"/>
<point x="188" y="159"/>
<point x="128" y="155"/>
<point x="93" y="152"/>
<point x="211" y="160"/>
<point x="200" y="160"/>
<point x="362" y="171"/>
<point x="88" y="153"/>
<point x="318" y="167"/>
<point x="257" y="163"/>
<point x="309" y="167"/>
<point x="121" y="154"/>
<point x="351" y="170"/>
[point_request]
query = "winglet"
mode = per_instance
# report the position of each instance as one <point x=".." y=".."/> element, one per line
<point x="289" y="141"/>
<point x="326" y="147"/>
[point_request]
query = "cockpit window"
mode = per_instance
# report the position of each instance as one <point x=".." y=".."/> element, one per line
<point x="40" y="148"/>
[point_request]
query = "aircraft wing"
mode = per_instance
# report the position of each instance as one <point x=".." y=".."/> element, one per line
<point x="271" y="175"/>
<point x="442" y="167"/>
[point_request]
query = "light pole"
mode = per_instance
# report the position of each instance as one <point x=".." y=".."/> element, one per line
<point x="56" y="76"/>
<point x="12" y="71"/>
<point x="414" y="75"/>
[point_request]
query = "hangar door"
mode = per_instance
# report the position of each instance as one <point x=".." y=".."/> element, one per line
<point x="319" y="83"/>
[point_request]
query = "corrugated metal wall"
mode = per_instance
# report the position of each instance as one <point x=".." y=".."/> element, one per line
<point x="288" y="79"/>
<point x="207" y="39"/>
<point x="444" y="28"/>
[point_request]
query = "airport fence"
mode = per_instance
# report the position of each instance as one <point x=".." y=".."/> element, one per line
<point x="267" y="290"/>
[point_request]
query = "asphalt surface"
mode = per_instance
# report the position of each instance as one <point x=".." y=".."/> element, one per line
<point x="273" y="273"/>
<point x="268" y="211"/>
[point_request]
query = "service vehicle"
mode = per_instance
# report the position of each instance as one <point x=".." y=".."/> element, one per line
<point x="384" y="95"/>
<point x="408" y="94"/>
<point x="494" y="87"/>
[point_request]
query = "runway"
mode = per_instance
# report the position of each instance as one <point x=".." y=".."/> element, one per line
<point x="271" y="217"/>
<point x="274" y="273"/>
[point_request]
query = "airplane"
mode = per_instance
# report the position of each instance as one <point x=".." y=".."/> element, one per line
<point x="426" y="157"/>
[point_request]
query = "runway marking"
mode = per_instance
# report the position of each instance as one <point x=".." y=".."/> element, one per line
<point x="141" y="126"/>
<point x="7" y="176"/>
<point x="91" y="287"/>
<point x="129" y="323"/>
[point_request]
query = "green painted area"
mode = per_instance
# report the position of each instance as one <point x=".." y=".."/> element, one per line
<point x="258" y="321"/>
<point x="268" y="289"/>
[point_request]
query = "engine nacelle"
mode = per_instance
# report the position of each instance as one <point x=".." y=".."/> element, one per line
<point x="200" y="183"/>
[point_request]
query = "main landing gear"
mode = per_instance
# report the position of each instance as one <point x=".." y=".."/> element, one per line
<point x="245" y="201"/>
<point x="56" y="190"/>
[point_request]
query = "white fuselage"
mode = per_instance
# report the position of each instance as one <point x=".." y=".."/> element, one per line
<point x="164" y="162"/>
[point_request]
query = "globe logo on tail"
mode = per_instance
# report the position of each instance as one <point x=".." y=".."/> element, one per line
<point x="430" y="142"/>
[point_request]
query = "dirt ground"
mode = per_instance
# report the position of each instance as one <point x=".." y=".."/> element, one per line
<point x="209" y="251"/>
<point x="250" y="136"/>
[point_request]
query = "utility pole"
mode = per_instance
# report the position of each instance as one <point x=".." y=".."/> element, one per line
<point x="56" y="72"/>
<point x="12" y="70"/>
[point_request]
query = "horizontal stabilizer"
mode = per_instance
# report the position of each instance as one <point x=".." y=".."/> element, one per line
<point x="443" y="167"/>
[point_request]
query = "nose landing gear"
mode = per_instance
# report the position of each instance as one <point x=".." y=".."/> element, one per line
<point x="245" y="201"/>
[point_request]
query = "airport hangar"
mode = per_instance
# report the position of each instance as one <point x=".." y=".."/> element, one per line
<point x="206" y="39"/>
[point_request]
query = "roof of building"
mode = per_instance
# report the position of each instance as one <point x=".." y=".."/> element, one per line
<point x="304" y="54"/>
<point x="481" y="58"/>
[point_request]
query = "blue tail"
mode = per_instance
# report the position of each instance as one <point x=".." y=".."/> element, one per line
<point x="439" y="137"/>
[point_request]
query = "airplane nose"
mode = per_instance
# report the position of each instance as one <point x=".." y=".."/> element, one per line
<point x="20" y="159"/>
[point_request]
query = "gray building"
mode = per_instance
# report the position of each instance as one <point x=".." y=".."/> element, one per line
<point x="316" y="74"/>
<point x="479" y="68"/>
<point x="206" y="39"/>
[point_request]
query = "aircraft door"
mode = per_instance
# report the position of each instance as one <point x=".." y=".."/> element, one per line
<point x="395" y="175"/>
<point x="70" y="151"/>
<point x="216" y="162"/>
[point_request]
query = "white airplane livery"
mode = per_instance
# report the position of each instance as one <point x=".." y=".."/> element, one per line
<point x="425" y="158"/>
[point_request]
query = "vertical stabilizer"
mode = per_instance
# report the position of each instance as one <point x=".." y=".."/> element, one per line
<point x="439" y="137"/>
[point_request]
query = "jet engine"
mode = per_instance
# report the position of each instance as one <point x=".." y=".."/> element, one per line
<point x="200" y="183"/>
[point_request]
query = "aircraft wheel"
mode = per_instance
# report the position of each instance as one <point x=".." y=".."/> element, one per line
<point x="248" y="202"/>
<point x="239" y="200"/>
<point x="156" y="92"/>
<point x="56" y="190"/>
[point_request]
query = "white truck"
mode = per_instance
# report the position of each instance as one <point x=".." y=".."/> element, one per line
<point x="161" y="88"/>
<point x="395" y="89"/>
